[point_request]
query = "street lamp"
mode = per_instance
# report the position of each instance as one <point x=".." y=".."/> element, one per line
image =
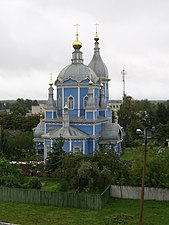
<point x="144" y="135"/>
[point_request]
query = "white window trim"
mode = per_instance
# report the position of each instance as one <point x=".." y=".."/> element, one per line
<point x="70" y="96"/>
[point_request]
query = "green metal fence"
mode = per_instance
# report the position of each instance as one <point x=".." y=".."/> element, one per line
<point x="59" y="199"/>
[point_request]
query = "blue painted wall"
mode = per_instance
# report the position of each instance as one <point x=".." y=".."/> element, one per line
<point x="98" y="128"/>
<point x="66" y="146"/>
<point x="59" y="102"/>
<point x="48" y="115"/>
<point x="72" y="92"/>
<point x="88" y="129"/>
<point x="83" y="93"/>
<point x="89" y="115"/>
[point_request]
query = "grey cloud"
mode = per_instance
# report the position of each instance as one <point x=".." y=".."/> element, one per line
<point x="37" y="35"/>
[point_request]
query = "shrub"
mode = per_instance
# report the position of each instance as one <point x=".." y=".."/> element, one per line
<point x="34" y="183"/>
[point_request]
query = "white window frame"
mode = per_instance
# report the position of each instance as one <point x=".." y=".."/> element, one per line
<point x="73" y="102"/>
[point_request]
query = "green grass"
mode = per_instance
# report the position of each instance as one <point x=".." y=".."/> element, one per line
<point x="130" y="153"/>
<point x="49" y="184"/>
<point x="155" y="213"/>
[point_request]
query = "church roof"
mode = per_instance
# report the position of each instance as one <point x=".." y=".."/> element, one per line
<point x="97" y="64"/>
<point x="111" y="133"/>
<point x="39" y="130"/>
<point x="65" y="132"/>
<point x="77" y="72"/>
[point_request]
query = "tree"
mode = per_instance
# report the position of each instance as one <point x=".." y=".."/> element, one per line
<point x="88" y="176"/>
<point x="162" y="132"/>
<point x="162" y="113"/>
<point x="35" y="103"/>
<point x="131" y="114"/>
<point x="158" y="169"/>
<point x="10" y="175"/>
<point x="55" y="155"/>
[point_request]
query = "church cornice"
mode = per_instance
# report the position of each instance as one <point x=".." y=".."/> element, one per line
<point x="76" y="85"/>
<point x="78" y="120"/>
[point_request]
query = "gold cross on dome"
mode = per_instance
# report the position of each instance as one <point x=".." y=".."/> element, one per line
<point x="77" y="25"/>
<point x="96" y="27"/>
<point x="51" y="83"/>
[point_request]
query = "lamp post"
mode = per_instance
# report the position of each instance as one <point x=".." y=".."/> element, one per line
<point x="138" y="131"/>
<point x="146" y="123"/>
<point x="143" y="134"/>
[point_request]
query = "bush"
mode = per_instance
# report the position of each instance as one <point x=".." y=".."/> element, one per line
<point x="12" y="182"/>
<point x="34" y="183"/>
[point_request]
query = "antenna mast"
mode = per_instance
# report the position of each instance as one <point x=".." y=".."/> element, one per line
<point x="123" y="72"/>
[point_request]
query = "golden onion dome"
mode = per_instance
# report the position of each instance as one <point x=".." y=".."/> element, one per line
<point x="96" y="37"/>
<point x="77" y="44"/>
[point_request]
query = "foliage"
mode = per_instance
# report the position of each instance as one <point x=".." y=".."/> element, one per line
<point x="162" y="113"/>
<point x="11" y="181"/>
<point x="18" y="108"/>
<point x="18" y="122"/>
<point x="55" y="155"/>
<point x="10" y="175"/>
<point x="91" y="173"/>
<point x="135" y="171"/>
<point x="88" y="174"/>
<point x="20" y="105"/>
<point x="34" y="183"/>
<point x="15" y="145"/>
<point x="131" y="115"/>
<point x="162" y="132"/>
<point x="158" y="169"/>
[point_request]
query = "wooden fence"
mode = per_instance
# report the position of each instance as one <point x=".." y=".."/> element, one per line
<point x="150" y="193"/>
<point x="59" y="199"/>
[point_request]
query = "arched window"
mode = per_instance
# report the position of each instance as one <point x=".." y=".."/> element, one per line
<point x="70" y="102"/>
<point x="85" y="101"/>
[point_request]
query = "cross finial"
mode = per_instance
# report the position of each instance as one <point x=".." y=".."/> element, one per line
<point x="96" y="27"/>
<point x="123" y="72"/>
<point x="51" y="83"/>
<point x="77" y="44"/>
<point x="77" y="26"/>
<point x="96" y="38"/>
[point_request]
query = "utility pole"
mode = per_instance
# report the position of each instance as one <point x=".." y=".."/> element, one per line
<point x="123" y="72"/>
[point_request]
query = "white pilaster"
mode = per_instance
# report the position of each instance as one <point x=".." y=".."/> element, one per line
<point x="94" y="146"/>
<point x="83" y="146"/>
<point x="78" y="103"/>
<point x="63" y="97"/>
<point x="70" y="145"/>
<point x="94" y="129"/>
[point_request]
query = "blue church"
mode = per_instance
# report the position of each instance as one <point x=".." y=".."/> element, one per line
<point x="81" y="113"/>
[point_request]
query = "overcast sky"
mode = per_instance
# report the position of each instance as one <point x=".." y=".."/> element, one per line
<point x="36" y="39"/>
